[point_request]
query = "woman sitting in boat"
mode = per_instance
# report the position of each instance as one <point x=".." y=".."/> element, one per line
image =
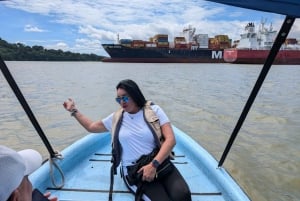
<point x="136" y="139"/>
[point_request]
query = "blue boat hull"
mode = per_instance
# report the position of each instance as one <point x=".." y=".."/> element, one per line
<point x="86" y="167"/>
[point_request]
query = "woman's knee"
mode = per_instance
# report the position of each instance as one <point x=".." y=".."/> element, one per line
<point x="185" y="196"/>
<point x="182" y="193"/>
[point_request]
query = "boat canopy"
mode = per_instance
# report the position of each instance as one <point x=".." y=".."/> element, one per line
<point x="290" y="8"/>
<point x="284" y="7"/>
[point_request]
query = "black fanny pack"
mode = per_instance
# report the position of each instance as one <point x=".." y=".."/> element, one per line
<point x="135" y="178"/>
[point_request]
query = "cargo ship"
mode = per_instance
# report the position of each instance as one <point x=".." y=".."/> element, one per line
<point x="187" y="48"/>
<point x="254" y="47"/>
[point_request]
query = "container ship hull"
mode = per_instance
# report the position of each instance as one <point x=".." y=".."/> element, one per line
<point x="247" y="56"/>
<point x="120" y="53"/>
<point x="254" y="46"/>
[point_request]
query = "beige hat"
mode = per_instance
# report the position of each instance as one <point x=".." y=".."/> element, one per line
<point x="14" y="166"/>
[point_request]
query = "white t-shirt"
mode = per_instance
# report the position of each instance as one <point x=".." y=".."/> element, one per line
<point x="135" y="136"/>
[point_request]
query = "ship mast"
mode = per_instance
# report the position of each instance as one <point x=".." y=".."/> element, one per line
<point x="188" y="33"/>
<point x="118" y="38"/>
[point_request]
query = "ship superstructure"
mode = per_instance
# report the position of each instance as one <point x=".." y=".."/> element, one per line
<point x="254" y="46"/>
<point x="262" y="39"/>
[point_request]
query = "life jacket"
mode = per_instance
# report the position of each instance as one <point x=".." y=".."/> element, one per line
<point x="152" y="122"/>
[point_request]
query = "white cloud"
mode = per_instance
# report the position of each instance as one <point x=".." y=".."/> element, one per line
<point x="31" y="28"/>
<point x="87" y="45"/>
<point x="99" y="21"/>
<point x="58" y="46"/>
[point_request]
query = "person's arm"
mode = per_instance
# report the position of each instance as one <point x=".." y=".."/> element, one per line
<point x="149" y="171"/>
<point x="168" y="144"/>
<point x="87" y="123"/>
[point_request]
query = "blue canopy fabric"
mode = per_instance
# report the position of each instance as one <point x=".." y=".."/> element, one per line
<point x="284" y="7"/>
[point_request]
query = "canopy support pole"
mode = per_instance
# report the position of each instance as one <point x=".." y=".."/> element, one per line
<point x="25" y="106"/>
<point x="280" y="39"/>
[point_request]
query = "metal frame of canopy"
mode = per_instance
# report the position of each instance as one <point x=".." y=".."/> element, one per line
<point x="290" y="8"/>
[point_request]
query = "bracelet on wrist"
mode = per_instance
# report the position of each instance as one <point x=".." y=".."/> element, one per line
<point x="73" y="112"/>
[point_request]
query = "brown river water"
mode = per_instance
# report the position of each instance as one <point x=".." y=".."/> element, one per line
<point x="203" y="100"/>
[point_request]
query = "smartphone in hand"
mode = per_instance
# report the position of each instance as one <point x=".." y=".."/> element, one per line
<point x="38" y="196"/>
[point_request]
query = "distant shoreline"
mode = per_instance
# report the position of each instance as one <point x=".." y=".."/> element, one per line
<point x="21" y="52"/>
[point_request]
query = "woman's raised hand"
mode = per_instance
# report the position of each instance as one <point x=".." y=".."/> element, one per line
<point x="69" y="105"/>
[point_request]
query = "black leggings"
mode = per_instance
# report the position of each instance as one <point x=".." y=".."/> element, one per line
<point x="171" y="188"/>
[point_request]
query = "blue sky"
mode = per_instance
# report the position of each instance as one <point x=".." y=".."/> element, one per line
<point x="83" y="25"/>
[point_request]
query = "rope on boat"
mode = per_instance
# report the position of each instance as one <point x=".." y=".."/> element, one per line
<point x="53" y="164"/>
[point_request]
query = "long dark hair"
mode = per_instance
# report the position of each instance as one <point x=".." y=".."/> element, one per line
<point x="133" y="91"/>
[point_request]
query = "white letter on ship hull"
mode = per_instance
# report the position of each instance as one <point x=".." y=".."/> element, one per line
<point x="216" y="54"/>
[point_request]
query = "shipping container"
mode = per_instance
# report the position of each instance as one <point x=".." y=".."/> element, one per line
<point x="214" y="46"/>
<point x="291" y="41"/>
<point x="202" y="40"/>
<point x="181" y="46"/>
<point x="222" y="38"/>
<point x="127" y="45"/>
<point x="224" y="45"/>
<point x="160" y="38"/>
<point x="150" y="44"/>
<point x="179" y="40"/>
<point x="213" y="41"/>
<point x="125" y="41"/>
<point x="163" y="44"/>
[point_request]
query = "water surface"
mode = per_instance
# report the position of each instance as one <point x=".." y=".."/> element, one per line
<point x="204" y="100"/>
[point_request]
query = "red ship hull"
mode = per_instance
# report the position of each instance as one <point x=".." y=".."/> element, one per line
<point x="247" y="56"/>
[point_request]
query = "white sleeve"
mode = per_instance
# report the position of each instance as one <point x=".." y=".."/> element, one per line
<point x="107" y="121"/>
<point x="163" y="118"/>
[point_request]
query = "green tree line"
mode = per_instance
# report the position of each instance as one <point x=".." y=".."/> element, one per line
<point x="21" y="52"/>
